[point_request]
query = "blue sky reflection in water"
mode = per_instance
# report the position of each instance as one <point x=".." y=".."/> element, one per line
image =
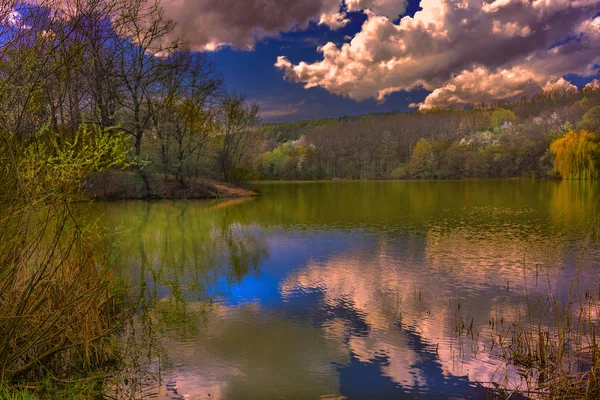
<point x="349" y="289"/>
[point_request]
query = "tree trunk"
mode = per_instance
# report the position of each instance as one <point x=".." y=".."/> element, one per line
<point x="138" y="144"/>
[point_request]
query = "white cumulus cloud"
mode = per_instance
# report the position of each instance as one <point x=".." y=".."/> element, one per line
<point x="389" y="8"/>
<point x="463" y="51"/>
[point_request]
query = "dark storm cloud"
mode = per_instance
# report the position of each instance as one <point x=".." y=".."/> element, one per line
<point x="206" y="24"/>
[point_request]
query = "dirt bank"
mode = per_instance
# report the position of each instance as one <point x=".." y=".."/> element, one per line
<point x="130" y="185"/>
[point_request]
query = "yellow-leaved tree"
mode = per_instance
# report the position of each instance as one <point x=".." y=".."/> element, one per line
<point x="421" y="163"/>
<point x="575" y="155"/>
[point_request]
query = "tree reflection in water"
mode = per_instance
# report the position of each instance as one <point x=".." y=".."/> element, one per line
<point x="357" y="290"/>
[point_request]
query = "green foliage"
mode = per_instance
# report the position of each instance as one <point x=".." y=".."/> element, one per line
<point x="452" y="161"/>
<point x="591" y="120"/>
<point x="422" y="161"/>
<point x="53" y="161"/>
<point x="500" y="116"/>
<point x="14" y="394"/>
<point x="57" y="309"/>
<point x="291" y="160"/>
<point x="399" y="173"/>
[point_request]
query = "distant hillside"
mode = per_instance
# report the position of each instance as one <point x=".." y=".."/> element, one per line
<point x="500" y="140"/>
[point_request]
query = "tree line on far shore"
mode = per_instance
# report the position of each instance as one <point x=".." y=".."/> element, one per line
<point x="554" y="134"/>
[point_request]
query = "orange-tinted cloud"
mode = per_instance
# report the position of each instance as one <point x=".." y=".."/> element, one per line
<point x="462" y="51"/>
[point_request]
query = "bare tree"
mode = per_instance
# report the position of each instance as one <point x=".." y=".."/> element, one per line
<point x="102" y="61"/>
<point x="183" y="110"/>
<point x="144" y="39"/>
<point x="238" y="135"/>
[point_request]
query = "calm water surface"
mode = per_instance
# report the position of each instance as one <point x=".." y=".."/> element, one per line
<point x="357" y="290"/>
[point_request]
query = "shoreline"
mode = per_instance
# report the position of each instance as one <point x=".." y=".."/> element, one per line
<point x="129" y="185"/>
<point x="470" y="179"/>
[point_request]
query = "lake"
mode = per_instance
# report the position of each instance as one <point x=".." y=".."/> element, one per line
<point x="356" y="290"/>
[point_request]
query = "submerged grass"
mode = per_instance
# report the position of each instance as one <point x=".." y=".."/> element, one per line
<point x="555" y="348"/>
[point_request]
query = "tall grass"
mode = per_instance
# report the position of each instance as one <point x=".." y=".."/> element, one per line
<point x="5" y="394"/>
<point x="556" y="348"/>
<point x="57" y="301"/>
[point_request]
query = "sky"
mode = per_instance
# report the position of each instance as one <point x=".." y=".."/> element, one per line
<point x="306" y="59"/>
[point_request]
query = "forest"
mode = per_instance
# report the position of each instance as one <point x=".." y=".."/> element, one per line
<point x="100" y="98"/>
<point x="552" y="135"/>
